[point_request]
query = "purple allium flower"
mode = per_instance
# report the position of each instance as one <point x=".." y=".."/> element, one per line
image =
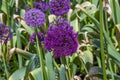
<point x="5" y="34"/>
<point x="34" y="17"/>
<point x="61" y="39"/>
<point x="33" y="37"/>
<point x="59" y="7"/>
<point x="59" y="21"/>
<point x="43" y="6"/>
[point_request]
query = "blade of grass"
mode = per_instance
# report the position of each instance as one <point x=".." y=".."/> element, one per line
<point x="36" y="74"/>
<point x="19" y="46"/>
<point x="101" y="40"/>
<point x="7" y="10"/>
<point x="39" y="49"/>
<point x="18" y="74"/>
<point x="50" y="67"/>
<point x="31" y="3"/>
<point x="62" y="75"/>
<point x="115" y="13"/>
<point x="110" y="66"/>
<point x="4" y="62"/>
<point x="107" y="31"/>
<point x="68" y="70"/>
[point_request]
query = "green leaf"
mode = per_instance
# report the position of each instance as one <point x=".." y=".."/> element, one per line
<point x="18" y="74"/>
<point x="117" y="29"/>
<point x="62" y="73"/>
<point x="28" y="28"/>
<point x="95" y="43"/>
<point x="3" y="7"/>
<point x="14" y="40"/>
<point x="22" y="12"/>
<point x="11" y="3"/>
<point x="88" y="56"/>
<point x="33" y="63"/>
<point x="76" y="60"/>
<point x="23" y="53"/>
<point x="113" y="53"/>
<point x="50" y="68"/>
<point x="117" y="11"/>
<point x="36" y="74"/>
<point x="89" y="28"/>
<point x="74" y="69"/>
<point x="1" y="78"/>
<point x="97" y="72"/>
<point x="117" y="77"/>
<point x="74" y="23"/>
<point x="95" y="2"/>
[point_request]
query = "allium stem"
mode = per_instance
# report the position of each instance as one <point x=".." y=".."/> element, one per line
<point x="31" y="3"/>
<point x="19" y="46"/>
<point x="39" y="49"/>
<point x="56" y="65"/>
<point x="68" y="69"/>
<point x="8" y="15"/>
<point x="64" y="60"/>
<point x="101" y="40"/>
<point x="115" y="11"/>
<point x="4" y="62"/>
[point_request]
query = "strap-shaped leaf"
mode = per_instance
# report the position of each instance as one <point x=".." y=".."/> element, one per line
<point x="114" y="54"/>
<point x="36" y="74"/>
<point x="33" y="63"/>
<point x="18" y="74"/>
<point x="62" y="73"/>
<point x="50" y="68"/>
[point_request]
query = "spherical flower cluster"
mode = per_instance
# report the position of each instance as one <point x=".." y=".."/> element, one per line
<point x="62" y="40"/>
<point x="5" y="34"/>
<point x="43" y="6"/>
<point x="34" y="17"/>
<point x="33" y="37"/>
<point x="59" y="7"/>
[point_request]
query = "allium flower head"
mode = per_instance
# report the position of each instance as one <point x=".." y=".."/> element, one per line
<point x="5" y="33"/>
<point x="59" y="21"/>
<point x="34" y="17"/>
<point x="59" y="7"/>
<point x="33" y="37"/>
<point x="61" y="39"/>
<point x="43" y="6"/>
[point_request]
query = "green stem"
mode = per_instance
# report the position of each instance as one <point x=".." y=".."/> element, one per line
<point x="7" y="10"/>
<point x="64" y="60"/>
<point x="56" y="65"/>
<point x="4" y="62"/>
<point x="101" y="40"/>
<point x="84" y="66"/>
<point x="39" y="49"/>
<point x="106" y="23"/>
<point x="31" y="3"/>
<point x="68" y="70"/>
<point x="99" y="61"/>
<point x="110" y="66"/>
<point x="19" y="46"/>
<point x="90" y="1"/>
<point x="115" y="12"/>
